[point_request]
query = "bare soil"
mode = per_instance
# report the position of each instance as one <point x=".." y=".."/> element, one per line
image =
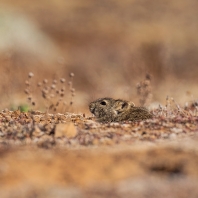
<point x="71" y="155"/>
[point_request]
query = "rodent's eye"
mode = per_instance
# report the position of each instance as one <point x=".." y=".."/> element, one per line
<point x="103" y="103"/>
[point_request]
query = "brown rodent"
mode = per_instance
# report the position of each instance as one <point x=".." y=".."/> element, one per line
<point x="111" y="110"/>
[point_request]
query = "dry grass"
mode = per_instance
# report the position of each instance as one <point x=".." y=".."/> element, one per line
<point x="54" y="93"/>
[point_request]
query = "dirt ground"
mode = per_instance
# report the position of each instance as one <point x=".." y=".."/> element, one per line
<point x="71" y="155"/>
<point x="145" y="170"/>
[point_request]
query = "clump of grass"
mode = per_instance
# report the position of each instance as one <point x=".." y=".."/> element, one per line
<point x="173" y="110"/>
<point x="28" y="90"/>
<point x="144" y="90"/>
<point x="194" y="107"/>
<point x="71" y="88"/>
<point x="54" y="93"/>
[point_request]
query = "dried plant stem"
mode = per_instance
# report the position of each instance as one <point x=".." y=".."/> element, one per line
<point x="144" y="90"/>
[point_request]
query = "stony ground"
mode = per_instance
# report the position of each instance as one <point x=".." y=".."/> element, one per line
<point x="71" y="155"/>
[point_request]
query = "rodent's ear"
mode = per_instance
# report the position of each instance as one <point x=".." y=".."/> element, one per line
<point x="122" y="106"/>
<point x="132" y="104"/>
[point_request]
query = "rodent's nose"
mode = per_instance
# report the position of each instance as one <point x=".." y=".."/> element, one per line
<point x="92" y="107"/>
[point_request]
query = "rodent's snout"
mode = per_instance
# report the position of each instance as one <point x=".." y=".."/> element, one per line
<point x="92" y="107"/>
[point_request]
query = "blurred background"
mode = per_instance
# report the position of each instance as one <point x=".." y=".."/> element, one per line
<point x="109" y="45"/>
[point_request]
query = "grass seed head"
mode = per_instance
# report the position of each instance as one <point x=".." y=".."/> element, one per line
<point x="63" y="89"/>
<point x="55" y="81"/>
<point x="62" y="80"/>
<point x="27" y="83"/>
<point x="71" y="74"/>
<point x="39" y="84"/>
<point x="45" y="81"/>
<point x="69" y="83"/>
<point x="53" y="86"/>
<point x="26" y="91"/>
<point x="29" y="98"/>
<point x="30" y="75"/>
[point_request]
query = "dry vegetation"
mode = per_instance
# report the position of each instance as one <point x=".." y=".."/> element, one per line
<point x="141" y="51"/>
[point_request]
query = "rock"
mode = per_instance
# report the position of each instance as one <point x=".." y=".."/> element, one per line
<point x="36" y="118"/>
<point x="67" y="129"/>
<point x="173" y="136"/>
<point x="37" y="132"/>
<point x="176" y="130"/>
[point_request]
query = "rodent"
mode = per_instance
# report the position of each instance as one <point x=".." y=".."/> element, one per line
<point x="111" y="110"/>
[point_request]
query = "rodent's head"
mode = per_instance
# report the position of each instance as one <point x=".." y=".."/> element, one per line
<point x="108" y="109"/>
<point x="101" y="107"/>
